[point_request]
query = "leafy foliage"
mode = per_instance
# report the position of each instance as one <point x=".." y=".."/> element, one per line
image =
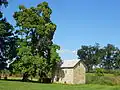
<point x="99" y="71"/>
<point x="110" y="52"/>
<point x="36" y="51"/>
<point x="7" y="40"/>
<point x="107" y="57"/>
<point x="90" y="55"/>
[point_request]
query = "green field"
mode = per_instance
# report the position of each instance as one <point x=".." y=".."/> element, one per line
<point x="16" y="85"/>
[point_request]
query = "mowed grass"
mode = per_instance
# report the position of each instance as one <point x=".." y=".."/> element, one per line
<point x="16" y="85"/>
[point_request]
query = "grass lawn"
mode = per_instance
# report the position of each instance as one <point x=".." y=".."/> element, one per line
<point x="15" y="85"/>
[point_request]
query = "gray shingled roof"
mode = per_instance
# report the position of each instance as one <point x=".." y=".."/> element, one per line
<point x="69" y="63"/>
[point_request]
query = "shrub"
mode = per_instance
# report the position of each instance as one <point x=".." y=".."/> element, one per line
<point x="99" y="72"/>
<point x="107" y="79"/>
<point x="116" y="72"/>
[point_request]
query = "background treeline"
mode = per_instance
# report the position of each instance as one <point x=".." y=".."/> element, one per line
<point x="107" y="57"/>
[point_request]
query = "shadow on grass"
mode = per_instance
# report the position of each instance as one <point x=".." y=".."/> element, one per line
<point x="19" y="80"/>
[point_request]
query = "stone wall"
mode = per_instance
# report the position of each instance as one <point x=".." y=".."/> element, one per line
<point x="66" y="76"/>
<point x="79" y="74"/>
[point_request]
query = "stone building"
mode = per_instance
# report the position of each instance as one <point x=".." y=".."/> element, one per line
<point x="71" y="72"/>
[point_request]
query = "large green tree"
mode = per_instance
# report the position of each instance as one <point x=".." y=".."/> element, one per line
<point x="36" y="51"/>
<point x="90" y="55"/>
<point x="107" y="57"/>
<point x="7" y="40"/>
<point x="111" y="55"/>
<point x="117" y="59"/>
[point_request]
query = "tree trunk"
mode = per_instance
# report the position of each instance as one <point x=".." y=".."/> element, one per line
<point x="89" y="68"/>
<point x="5" y="77"/>
<point x="25" y="77"/>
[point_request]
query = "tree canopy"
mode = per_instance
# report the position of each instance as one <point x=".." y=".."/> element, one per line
<point x="107" y="57"/>
<point x="7" y="39"/>
<point x="36" y="50"/>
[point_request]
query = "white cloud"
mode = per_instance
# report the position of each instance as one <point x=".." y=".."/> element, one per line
<point x="67" y="51"/>
<point x="67" y="54"/>
<point x="75" y="52"/>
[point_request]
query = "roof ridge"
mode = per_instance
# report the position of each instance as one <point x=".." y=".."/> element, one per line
<point x="71" y="59"/>
<point x="69" y="63"/>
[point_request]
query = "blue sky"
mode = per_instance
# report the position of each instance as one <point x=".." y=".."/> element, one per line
<point x="79" y="22"/>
